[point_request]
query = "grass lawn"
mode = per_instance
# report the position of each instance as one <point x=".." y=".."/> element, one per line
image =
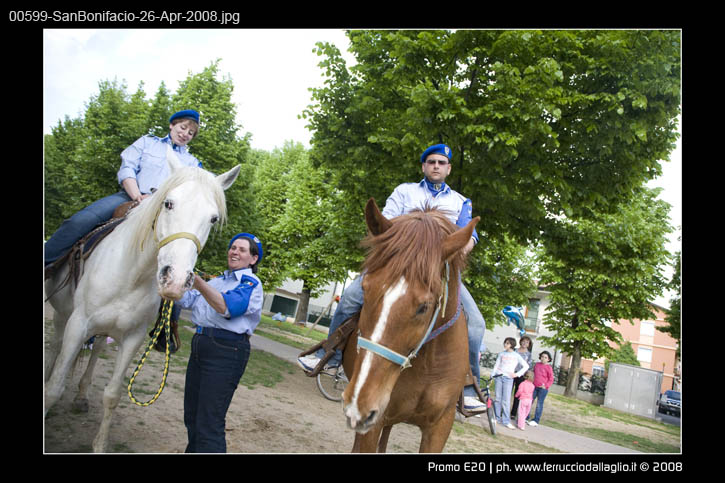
<point x="572" y="415"/>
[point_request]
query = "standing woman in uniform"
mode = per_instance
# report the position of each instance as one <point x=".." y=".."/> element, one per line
<point x="225" y="311"/>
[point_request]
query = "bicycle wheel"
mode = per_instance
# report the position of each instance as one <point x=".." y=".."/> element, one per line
<point x="491" y="416"/>
<point x="331" y="384"/>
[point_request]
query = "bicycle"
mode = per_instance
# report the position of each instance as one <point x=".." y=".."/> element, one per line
<point x="332" y="382"/>
<point x="486" y="391"/>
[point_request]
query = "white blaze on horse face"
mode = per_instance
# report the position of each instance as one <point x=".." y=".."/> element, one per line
<point x="392" y="295"/>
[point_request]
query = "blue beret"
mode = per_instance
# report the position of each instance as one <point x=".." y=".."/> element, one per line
<point x="251" y="237"/>
<point x="436" y="149"/>
<point x="188" y="113"/>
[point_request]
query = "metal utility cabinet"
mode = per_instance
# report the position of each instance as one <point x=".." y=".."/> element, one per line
<point x="633" y="389"/>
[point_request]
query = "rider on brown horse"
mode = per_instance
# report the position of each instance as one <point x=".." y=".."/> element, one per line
<point x="431" y="191"/>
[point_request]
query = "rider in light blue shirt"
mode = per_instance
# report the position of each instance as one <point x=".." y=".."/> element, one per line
<point x="416" y="196"/>
<point x="432" y="191"/>
<point x="143" y="169"/>
<point x="145" y="161"/>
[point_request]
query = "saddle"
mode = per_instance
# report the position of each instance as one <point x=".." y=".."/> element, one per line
<point x="83" y="248"/>
<point x="338" y="340"/>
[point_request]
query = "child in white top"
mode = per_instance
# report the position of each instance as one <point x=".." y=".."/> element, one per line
<point x="506" y="363"/>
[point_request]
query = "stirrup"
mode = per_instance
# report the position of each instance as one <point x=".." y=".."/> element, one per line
<point x="461" y="406"/>
<point x="336" y="340"/>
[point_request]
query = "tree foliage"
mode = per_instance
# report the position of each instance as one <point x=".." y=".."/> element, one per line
<point x="553" y="133"/>
<point x="543" y="124"/>
<point x="600" y="271"/>
<point x="673" y="315"/>
<point x="624" y="354"/>
<point x="299" y="208"/>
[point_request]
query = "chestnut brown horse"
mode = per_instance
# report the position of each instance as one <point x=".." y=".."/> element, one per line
<point x="409" y="357"/>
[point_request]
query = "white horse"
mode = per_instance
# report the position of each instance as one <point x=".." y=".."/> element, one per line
<point x="151" y="255"/>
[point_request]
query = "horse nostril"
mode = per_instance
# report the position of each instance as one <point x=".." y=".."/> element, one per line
<point x="164" y="274"/>
<point x="371" y="418"/>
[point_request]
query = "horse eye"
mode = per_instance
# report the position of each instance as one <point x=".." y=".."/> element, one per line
<point x="169" y="205"/>
<point x="214" y="219"/>
<point x="422" y="308"/>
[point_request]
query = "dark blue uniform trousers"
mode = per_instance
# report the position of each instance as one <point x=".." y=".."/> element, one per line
<point x="216" y="365"/>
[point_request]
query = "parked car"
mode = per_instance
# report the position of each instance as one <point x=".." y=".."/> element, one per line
<point x="669" y="402"/>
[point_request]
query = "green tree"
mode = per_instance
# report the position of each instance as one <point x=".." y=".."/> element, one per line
<point x="624" y="354"/>
<point x="113" y="120"/>
<point x="62" y="179"/>
<point x="159" y="112"/>
<point x="81" y="156"/>
<point x="543" y="124"/>
<point x="600" y="271"/>
<point x="271" y="184"/>
<point x="501" y="274"/>
<point x="673" y="315"/>
<point x="302" y="234"/>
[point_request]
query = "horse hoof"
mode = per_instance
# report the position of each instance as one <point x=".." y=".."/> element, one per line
<point x="80" y="405"/>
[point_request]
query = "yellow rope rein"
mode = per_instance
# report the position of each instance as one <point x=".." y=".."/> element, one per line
<point x="166" y="326"/>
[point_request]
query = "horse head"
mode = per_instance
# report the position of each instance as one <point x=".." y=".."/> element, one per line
<point x="186" y="207"/>
<point x="403" y="284"/>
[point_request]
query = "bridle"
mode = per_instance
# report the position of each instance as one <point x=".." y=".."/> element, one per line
<point x="404" y="361"/>
<point x="182" y="234"/>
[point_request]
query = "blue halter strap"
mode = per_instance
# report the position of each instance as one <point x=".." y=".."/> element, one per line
<point x="400" y="359"/>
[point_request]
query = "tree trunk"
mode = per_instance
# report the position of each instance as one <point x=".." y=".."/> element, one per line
<point x="303" y="306"/>
<point x="572" y="381"/>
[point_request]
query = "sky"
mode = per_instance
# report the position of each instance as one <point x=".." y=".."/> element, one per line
<point x="272" y="71"/>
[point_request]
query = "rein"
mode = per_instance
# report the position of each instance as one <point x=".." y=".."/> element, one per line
<point x="401" y="360"/>
<point x="165" y="320"/>
<point x="166" y="326"/>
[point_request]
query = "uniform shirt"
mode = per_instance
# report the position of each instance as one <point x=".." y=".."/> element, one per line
<point x="243" y="295"/>
<point x="145" y="160"/>
<point x="417" y="196"/>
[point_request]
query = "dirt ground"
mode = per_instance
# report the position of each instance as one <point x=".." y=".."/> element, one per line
<point x="291" y="417"/>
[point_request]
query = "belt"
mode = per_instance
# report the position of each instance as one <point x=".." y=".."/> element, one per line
<point x="220" y="333"/>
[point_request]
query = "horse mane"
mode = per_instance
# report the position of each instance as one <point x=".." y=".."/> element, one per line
<point x="412" y="248"/>
<point x="144" y="215"/>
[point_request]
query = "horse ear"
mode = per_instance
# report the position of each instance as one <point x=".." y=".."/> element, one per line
<point x="172" y="159"/>
<point x="228" y="178"/>
<point x="375" y="220"/>
<point x="458" y="239"/>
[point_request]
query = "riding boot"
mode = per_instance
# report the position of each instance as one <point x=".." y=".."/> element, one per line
<point x="336" y="340"/>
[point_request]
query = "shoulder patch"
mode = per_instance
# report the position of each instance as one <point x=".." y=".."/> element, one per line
<point x="249" y="281"/>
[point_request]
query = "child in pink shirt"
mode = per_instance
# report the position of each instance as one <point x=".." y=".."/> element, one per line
<point x="525" y="394"/>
